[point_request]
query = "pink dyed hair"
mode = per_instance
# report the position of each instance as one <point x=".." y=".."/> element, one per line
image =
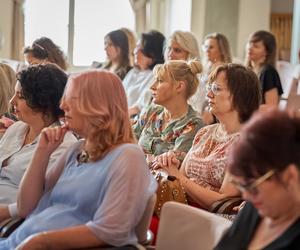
<point x="102" y="103"/>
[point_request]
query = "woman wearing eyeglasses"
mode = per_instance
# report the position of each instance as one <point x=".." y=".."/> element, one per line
<point x="233" y="95"/>
<point x="265" y="167"/>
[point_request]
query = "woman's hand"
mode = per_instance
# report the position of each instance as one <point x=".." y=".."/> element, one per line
<point x="34" y="242"/>
<point x="51" y="138"/>
<point x="169" y="162"/>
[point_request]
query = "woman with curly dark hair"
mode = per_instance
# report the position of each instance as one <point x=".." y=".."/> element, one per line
<point x="36" y="104"/>
<point x="45" y="50"/>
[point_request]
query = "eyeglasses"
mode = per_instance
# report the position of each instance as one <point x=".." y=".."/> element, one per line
<point x="213" y="87"/>
<point x="206" y="47"/>
<point x="252" y="187"/>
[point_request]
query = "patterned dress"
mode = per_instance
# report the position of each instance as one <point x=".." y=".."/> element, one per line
<point x="177" y="135"/>
<point x="206" y="162"/>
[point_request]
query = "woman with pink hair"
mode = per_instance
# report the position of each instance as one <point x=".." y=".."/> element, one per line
<point x="83" y="201"/>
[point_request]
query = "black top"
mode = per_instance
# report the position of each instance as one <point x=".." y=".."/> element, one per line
<point x="242" y="230"/>
<point x="269" y="79"/>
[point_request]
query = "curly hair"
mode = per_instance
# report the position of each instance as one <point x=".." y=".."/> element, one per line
<point x="44" y="48"/>
<point x="103" y="105"/>
<point x="42" y="88"/>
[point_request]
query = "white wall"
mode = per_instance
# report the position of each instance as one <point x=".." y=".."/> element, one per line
<point x="198" y="18"/>
<point x="253" y="15"/>
<point x="5" y="27"/>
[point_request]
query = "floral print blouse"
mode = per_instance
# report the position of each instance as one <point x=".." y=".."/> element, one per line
<point x="177" y="135"/>
<point x="206" y="162"/>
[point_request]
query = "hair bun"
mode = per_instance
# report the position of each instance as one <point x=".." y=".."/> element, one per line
<point x="195" y="66"/>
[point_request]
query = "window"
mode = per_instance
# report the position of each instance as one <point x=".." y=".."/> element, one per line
<point x="48" y="18"/>
<point x="179" y="13"/>
<point x="77" y="26"/>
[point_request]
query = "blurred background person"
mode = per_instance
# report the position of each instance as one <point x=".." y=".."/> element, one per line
<point x="45" y="50"/>
<point x="116" y="46"/>
<point x="261" y="57"/>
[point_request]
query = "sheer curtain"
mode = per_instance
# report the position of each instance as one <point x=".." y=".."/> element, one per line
<point x="139" y="8"/>
<point x="18" y="30"/>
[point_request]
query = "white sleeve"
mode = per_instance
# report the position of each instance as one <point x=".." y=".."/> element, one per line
<point x="296" y="73"/>
<point x="129" y="188"/>
<point x="13" y="210"/>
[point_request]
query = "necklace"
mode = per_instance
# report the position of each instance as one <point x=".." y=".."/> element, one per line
<point x="83" y="157"/>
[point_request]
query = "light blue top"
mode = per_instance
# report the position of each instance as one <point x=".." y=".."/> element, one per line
<point x="109" y="196"/>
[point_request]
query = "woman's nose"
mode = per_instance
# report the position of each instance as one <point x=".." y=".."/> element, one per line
<point x="153" y="86"/>
<point x="12" y="100"/>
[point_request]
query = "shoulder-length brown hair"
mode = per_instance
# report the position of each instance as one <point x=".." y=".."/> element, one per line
<point x="269" y="41"/>
<point x="102" y="103"/>
<point x="243" y="86"/>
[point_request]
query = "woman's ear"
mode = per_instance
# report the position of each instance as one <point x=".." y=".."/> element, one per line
<point x="291" y="178"/>
<point x="180" y="86"/>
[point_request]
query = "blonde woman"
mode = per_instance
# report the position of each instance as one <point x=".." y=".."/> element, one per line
<point x="170" y="123"/>
<point x="182" y="45"/>
<point x="216" y="51"/>
<point x="261" y="57"/>
<point x="83" y="202"/>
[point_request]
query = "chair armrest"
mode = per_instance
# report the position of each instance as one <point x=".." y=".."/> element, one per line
<point x="8" y="226"/>
<point x="226" y="205"/>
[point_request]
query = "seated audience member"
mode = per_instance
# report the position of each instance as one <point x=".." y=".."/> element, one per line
<point x="265" y="167"/>
<point x="233" y="95"/>
<point x="84" y="200"/>
<point x="7" y="84"/>
<point x="131" y="44"/>
<point x="182" y="45"/>
<point x="44" y="50"/>
<point x="170" y="123"/>
<point x="261" y="57"/>
<point x="216" y="50"/>
<point x="116" y="46"/>
<point x="148" y="53"/>
<point x="36" y="104"/>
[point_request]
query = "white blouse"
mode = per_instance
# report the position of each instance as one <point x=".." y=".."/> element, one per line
<point x="137" y="87"/>
<point x="17" y="158"/>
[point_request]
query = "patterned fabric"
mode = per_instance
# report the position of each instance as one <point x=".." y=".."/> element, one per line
<point x="205" y="163"/>
<point x="177" y="135"/>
